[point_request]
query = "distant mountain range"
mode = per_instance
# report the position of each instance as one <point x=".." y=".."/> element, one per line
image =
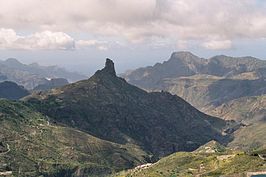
<point x="185" y="64"/>
<point x="33" y="75"/>
<point x="205" y="83"/>
<point x="12" y="91"/>
<point x="222" y="86"/>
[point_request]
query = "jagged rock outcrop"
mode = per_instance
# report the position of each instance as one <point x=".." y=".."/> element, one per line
<point x="109" y="67"/>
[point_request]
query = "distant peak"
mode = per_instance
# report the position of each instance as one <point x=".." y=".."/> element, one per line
<point x="12" y="60"/>
<point x="182" y="54"/>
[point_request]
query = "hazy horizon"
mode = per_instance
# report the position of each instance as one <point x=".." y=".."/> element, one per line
<point x="88" y="67"/>
<point x="80" y="35"/>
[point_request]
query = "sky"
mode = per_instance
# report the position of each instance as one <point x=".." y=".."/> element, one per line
<point x="80" y="34"/>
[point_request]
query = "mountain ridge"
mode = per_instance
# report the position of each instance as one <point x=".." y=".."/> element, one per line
<point x="33" y="74"/>
<point x="184" y="71"/>
<point x="126" y="114"/>
<point x="232" y="88"/>
<point x="188" y="64"/>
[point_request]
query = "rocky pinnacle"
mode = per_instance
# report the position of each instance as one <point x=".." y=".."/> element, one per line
<point x="109" y="67"/>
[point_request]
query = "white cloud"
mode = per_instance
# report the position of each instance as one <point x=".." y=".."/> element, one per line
<point x="101" y="45"/>
<point x="103" y="48"/>
<point x="44" y="40"/>
<point x="217" y="45"/>
<point x="182" y="45"/>
<point x="136" y="21"/>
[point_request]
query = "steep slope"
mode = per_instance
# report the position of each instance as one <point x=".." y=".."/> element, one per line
<point x="248" y="109"/>
<point x="32" y="75"/>
<point x="32" y="146"/>
<point x="12" y="91"/>
<point x="251" y="111"/>
<point x="204" y="91"/>
<point x="108" y="107"/>
<point x="250" y="137"/>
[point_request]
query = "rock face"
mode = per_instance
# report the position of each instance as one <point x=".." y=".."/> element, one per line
<point x="12" y="91"/>
<point x="107" y="107"/>
<point x="109" y="67"/>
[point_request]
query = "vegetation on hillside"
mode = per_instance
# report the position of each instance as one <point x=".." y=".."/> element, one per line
<point x="31" y="146"/>
<point x="201" y="164"/>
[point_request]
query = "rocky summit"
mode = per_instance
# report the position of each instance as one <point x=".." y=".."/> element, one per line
<point x="109" y="67"/>
<point x="109" y="108"/>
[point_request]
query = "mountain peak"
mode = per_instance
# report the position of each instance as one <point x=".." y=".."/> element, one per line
<point x="109" y="67"/>
<point x="12" y="62"/>
<point x="182" y="54"/>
